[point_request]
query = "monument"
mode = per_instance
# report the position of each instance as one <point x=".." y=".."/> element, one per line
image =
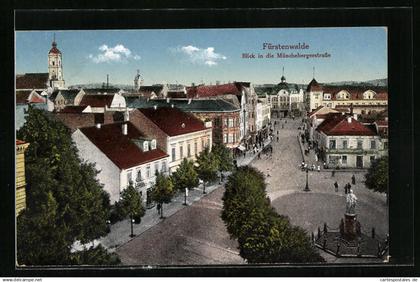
<point x="348" y="240"/>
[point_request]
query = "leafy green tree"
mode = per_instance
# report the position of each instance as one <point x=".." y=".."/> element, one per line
<point x="262" y="234"/>
<point x="224" y="157"/>
<point x="60" y="189"/>
<point x="376" y="177"/>
<point x="131" y="203"/>
<point x="96" y="256"/>
<point x="162" y="191"/>
<point x="185" y="176"/>
<point x="207" y="167"/>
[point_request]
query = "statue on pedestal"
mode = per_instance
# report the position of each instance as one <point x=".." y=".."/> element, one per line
<point x="351" y="201"/>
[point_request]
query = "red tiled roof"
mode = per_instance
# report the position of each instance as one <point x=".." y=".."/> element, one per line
<point x="19" y="142"/>
<point x="54" y="49"/>
<point x="73" y="109"/>
<point x="22" y="96"/>
<point x="214" y="90"/>
<point x="339" y="125"/>
<point x="313" y="86"/>
<point x="173" y="121"/>
<point x="32" y="81"/>
<point x="99" y="100"/>
<point x="119" y="148"/>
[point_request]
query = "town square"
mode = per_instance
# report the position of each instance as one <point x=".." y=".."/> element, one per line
<point x="221" y="160"/>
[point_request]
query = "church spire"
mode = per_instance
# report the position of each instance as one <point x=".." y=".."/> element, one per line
<point x="283" y="79"/>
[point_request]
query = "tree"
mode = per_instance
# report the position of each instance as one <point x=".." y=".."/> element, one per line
<point x="224" y="157"/>
<point x="162" y="191"/>
<point x="65" y="202"/>
<point x="263" y="235"/>
<point x="376" y="177"/>
<point x="130" y="203"/>
<point x="185" y="176"/>
<point x="207" y="167"/>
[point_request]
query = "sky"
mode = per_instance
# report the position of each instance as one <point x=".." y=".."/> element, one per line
<point x="207" y="55"/>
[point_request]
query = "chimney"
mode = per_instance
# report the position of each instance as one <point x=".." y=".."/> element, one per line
<point x="349" y="119"/>
<point x="355" y="116"/>
<point x="124" y="129"/>
<point x="98" y="125"/>
<point x="126" y="115"/>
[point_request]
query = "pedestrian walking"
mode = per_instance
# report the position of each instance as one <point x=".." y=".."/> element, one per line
<point x="353" y="180"/>
<point x="345" y="188"/>
<point x="336" y="186"/>
<point x="277" y="139"/>
<point x="319" y="168"/>
<point x="158" y="208"/>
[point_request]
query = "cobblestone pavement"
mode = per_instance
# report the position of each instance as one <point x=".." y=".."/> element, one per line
<point x="193" y="235"/>
<point x="286" y="181"/>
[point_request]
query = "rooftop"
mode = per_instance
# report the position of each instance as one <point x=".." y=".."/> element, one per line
<point x="32" y="81"/>
<point x="338" y="125"/>
<point x="173" y="121"/>
<point x="97" y="100"/>
<point x="119" y="148"/>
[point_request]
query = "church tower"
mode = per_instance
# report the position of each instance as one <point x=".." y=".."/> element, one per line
<point x="55" y="67"/>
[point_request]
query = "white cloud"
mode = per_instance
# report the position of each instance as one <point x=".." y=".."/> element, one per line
<point x="118" y="53"/>
<point x="201" y="56"/>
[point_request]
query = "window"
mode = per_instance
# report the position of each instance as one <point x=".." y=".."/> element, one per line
<point x="345" y="144"/>
<point x="148" y="171"/>
<point x="129" y="177"/>
<point x="153" y="145"/>
<point x="195" y="147"/>
<point x="332" y="144"/>
<point x="373" y="145"/>
<point x="202" y="143"/>
<point x="225" y="122"/>
<point x="230" y="122"/>
<point x="372" y="159"/>
<point x="163" y="167"/>
<point x="230" y="137"/>
<point x="359" y="144"/>
<point x="181" y="151"/>
<point x="138" y="179"/>
<point x="344" y="159"/>
<point x="225" y="138"/>
<point x="189" y="150"/>
<point x="156" y="167"/>
<point x="173" y="154"/>
<point x="145" y="146"/>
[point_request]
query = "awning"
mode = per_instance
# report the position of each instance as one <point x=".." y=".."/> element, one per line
<point x="242" y="148"/>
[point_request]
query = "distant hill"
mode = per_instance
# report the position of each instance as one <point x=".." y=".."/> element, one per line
<point x="100" y="85"/>
<point x="383" y="82"/>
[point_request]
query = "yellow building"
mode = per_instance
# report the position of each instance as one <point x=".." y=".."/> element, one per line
<point x="20" y="176"/>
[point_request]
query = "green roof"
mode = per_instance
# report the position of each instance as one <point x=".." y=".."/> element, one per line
<point x="195" y="105"/>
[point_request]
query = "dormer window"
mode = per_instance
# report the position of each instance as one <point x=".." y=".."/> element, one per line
<point x="153" y="144"/>
<point x="145" y="146"/>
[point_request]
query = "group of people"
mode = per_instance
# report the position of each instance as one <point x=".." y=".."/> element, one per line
<point x="304" y="166"/>
<point x="347" y="187"/>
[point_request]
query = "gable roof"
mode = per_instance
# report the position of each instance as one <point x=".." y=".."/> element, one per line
<point x="338" y="125"/>
<point x="73" y="109"/>
<point x="68" y="94"/>
<point x="28" y="96"/>
<point x="193" y="105"/>
<point x="32" y="81"/>
<point x="119" y="148"/>
<point x="173" y="121"/>
<point x="215" y="90"/>
<point x="98" y="100"/>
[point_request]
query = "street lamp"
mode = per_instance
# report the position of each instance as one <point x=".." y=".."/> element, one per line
<point x="307" y="186"/>
<point x="131" y="222"/>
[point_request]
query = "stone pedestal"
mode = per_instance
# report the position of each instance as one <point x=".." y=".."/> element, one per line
<point x="350" y="226"/>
